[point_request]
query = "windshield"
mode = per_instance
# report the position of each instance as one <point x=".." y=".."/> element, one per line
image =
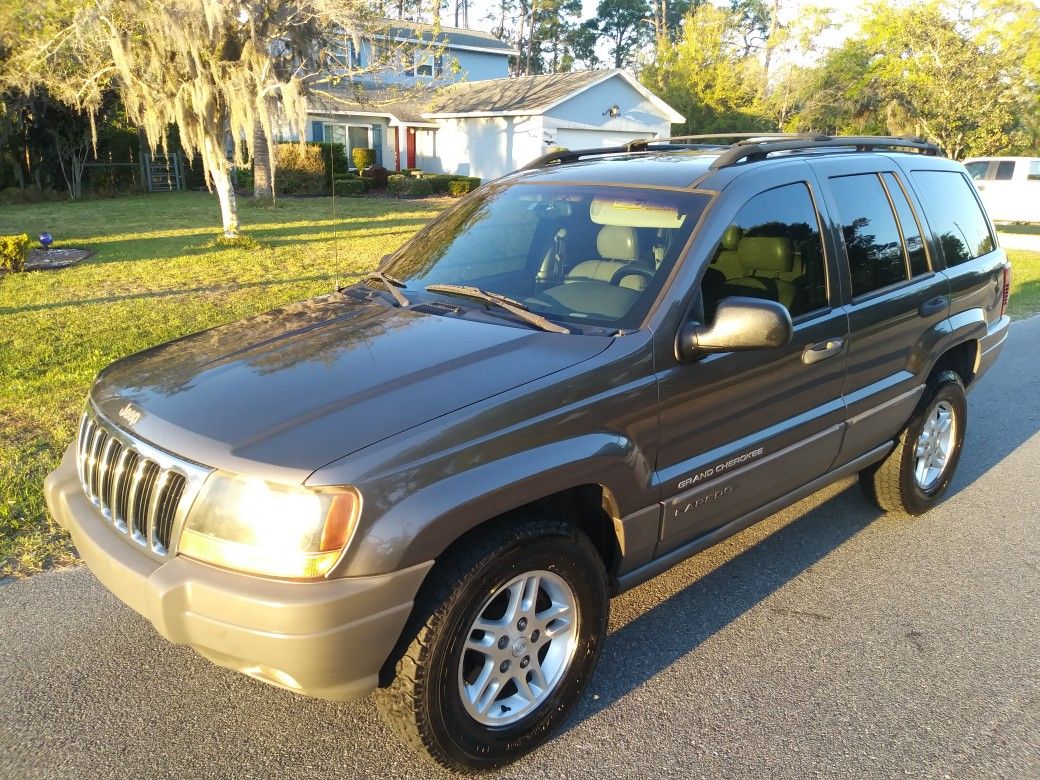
<point x="586" y="255"/>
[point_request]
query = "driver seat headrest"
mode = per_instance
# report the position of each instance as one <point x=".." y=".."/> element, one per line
<point x="618" y="242"/>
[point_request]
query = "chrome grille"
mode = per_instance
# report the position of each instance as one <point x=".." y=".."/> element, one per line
<point x="144" y="492"/>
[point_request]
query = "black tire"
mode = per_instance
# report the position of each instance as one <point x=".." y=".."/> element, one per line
<point x="423" y="702"/>
<point x="892" y="483"/>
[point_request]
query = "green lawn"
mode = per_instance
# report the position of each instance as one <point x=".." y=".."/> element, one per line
<point x="1028" y="228"/>
<point x="155" y="275"/>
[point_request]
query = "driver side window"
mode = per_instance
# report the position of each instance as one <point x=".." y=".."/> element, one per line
<point x="771" y="250"/>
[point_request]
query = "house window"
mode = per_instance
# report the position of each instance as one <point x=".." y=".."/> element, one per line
<point x="351" y="136"/>
<point x="429" y="65"/>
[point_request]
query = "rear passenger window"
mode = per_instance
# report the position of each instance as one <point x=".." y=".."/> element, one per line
<point x="954" y="215"/>
<point x="871" y="237"/>
<point x="1005" y="170"/>
<point x="771" y="250"/>
<point x="977" y="169"/>
<point x="915" y="251"/>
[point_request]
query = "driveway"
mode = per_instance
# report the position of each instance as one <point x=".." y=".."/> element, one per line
<point x="826" y="642"/>
<point x="1030" y="242"/>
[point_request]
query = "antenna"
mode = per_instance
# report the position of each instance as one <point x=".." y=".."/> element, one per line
<point x="335" y="231"/>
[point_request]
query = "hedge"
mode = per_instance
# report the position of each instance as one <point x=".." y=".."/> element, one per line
<point x="300" y="169"/>
<point x="351" y="187"/>
<point x="14" y="251"/>
<point x="463" y="184"/>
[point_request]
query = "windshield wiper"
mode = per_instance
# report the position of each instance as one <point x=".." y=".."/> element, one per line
<point x="514" y="307"/>
<point x="391" y="285"/>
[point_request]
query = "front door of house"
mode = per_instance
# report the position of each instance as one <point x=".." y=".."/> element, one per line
<point x="410" y="155"/>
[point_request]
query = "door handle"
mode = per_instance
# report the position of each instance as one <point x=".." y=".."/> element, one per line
<point x="933" y="306"/>
<point x="814" y="353"/>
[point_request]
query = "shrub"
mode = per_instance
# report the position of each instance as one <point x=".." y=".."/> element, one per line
<point x="397" y="184"/>
<point x="350" y="187"/>
<point x="377" y="174"/>
<point x="334" y="157"/>
<point x="15" y="195"/>
<point x="300" y="170"/>
<point x="419" y="188"/>
<point x="14" y="251"/>
<point x="463" y="184"/>
<point x="363" y="158"/>
<point x="441" y="182"/>
<point x="412" y="171"/>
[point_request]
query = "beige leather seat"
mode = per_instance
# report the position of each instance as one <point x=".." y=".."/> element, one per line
<point x="618" y="246"/>
<point x="727" y="261"/>
<point x="765" y="263"/>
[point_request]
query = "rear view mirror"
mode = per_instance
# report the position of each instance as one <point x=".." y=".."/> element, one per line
<point x="739" y="324"/>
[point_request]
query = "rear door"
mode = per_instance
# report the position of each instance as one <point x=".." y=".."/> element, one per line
<point x="894" y="294"/>
<point x="739" y="429"/>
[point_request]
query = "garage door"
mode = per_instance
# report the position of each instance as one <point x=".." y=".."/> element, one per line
<point x="591" y="139"/>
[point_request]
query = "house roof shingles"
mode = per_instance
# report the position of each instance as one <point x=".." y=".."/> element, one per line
<point x="516" y="95"/>
<point x="447" y="36"/>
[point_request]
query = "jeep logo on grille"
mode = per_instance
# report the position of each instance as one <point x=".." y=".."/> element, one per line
<point x="130" y="414"/>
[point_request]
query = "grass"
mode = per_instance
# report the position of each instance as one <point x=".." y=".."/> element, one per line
<point x="1030" y="228"/>
<point x="157" y="273"/>
<point x="1025" y="284"/>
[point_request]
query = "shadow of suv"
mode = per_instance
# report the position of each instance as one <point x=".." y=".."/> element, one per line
<point x="428" y="485"/>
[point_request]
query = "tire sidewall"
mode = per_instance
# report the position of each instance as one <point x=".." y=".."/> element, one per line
<point x="473" y="743"/>
<point x="950" y="390"/>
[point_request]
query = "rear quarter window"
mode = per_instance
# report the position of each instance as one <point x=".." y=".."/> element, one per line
<point x="954" y="215"/>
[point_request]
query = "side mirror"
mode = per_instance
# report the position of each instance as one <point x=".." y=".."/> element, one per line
<point x="740" y="324"/>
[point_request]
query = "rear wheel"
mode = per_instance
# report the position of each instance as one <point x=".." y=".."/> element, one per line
<point x="913" y="477"/>
<point x="505" y="636"/>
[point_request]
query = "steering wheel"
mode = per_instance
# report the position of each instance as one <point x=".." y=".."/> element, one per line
<point x="631" y="270"/>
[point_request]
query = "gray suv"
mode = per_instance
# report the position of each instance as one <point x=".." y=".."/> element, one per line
<point x="428" y="485"/>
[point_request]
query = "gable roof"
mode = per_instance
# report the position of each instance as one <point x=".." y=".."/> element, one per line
<point x="449" y="37"/>
<point x="531" y="95"/>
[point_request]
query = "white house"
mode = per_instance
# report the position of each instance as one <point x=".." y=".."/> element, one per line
<point x="474" y="119"/>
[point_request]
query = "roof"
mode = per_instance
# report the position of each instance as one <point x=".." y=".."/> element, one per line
<point x="400" y="109"/>
<point x="531" y="95"/>
<point x="450" y="37"/>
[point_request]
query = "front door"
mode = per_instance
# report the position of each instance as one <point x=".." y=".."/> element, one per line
<point x="410" y="149"/>
<point x="740" y="429"/>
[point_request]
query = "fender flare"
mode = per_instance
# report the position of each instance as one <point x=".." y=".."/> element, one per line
<point x="424" y="523"/>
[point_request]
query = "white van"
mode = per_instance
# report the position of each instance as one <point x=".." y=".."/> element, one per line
<point x="1009" y="186"/>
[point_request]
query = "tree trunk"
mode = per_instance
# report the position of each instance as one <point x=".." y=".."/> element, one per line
<point x="217" y="164"/>
<point x="263" y="169"/>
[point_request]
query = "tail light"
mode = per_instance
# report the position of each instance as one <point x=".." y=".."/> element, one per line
<point x="1006" y="293"/>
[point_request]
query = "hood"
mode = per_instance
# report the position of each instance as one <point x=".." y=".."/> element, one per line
<point x="284" y="393"/>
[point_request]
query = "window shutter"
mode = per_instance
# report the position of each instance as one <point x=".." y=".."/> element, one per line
<point x="438" y="66"/>
<point x="317" y="132"/>
<point x="377" y="142"/>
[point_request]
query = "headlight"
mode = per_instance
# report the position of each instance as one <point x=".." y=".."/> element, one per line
<point x="260" y="527"/>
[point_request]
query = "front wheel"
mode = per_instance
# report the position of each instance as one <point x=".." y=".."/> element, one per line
<point x="505" y="636"/>
<point x="912" y="478"/>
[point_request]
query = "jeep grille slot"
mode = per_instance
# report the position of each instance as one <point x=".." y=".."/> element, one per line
<point x="142" y="492"/>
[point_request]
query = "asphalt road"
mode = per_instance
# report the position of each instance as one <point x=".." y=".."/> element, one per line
<point x="828" y="641"/>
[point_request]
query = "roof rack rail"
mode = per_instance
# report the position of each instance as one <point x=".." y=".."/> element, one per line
<point x="573" y="155"/>
<point x="750" y="147"/>
<point x="752" y="150"/>
<point x="643" y="144"/>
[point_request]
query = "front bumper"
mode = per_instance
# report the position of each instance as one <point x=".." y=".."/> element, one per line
<point x="327" y="639"/>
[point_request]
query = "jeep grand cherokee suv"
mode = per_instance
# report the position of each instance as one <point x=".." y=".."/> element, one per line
<point x="428" y="484"/>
